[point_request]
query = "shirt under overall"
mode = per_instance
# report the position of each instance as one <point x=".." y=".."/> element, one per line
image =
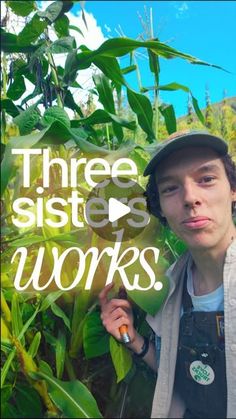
<point x="200" y="377"/>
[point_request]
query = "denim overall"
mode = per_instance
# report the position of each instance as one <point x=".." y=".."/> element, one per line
<point x="200" y="377"/>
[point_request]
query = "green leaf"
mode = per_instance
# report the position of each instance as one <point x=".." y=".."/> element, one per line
<point x="6" y="392"/>
<point x="106" y="98"/>
<point x="174" y="86"/>
<point x="36" y="92"/>
<point x="110" y="67"/>
<point x="27" y="241"/>
<point x="95" y="337"/>
<point x="74" y="28"/>
<point x="101" y="116"/>
<point x="17" y="88"/>
<point x="63" y="45"/>
<point x="128" y="69"/>
<point x="28" y="401"/>
<point x="34" y="346"/>
<point x="80" y="311"/>
<point x="141" y="105"/>
<point x="11" y="355"/>
<point x="60" y="353"/>
<point x="118" y="47"/>
<point x="55" y="113"/>
<point x="22" y="8"/>
<point x="61" y="26"/>
<point x="44" y="366"/>
<point x="10" y="43"/>
<point x="71" y="104"/>
<point x="121" y="358"/>
<point x="71" y="68"/>
<point x="198" y="110"/>
<point x="56" y="133"/>
<point x="71" y="397"/>
<point x="32" y="30"/>
<point x="60" y="313"/>
<point x="9" y="107"/>
<point x="55" y="10"/>
<point x="168" y="113"/>
<point x="17" y="324"/>
<point x="154" y="65"/>
<point x="177" y="86"/>
<point x="140" y="157"/>
<point x="49" y="299"/>
<point x="27" y="119"/>
<point x="105" y="92"/>
<point x="52" y="12"/>
<point x="8" y="411"/>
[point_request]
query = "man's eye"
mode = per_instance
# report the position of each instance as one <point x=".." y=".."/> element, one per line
<point x="168" y="189"/>
<point x="207" y="179"/>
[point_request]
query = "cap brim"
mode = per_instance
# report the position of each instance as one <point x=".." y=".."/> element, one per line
<point x="194" y="139"/>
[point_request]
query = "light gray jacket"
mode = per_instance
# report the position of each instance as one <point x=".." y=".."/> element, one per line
<point x="166" y="403"/>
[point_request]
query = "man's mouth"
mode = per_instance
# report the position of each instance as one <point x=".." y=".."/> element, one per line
<point x="196" y="222"/>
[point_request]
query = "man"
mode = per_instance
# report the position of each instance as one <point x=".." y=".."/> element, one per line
<point x="192" y="189"/>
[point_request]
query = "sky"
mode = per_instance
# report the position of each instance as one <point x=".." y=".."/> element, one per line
<point x="204" y="29"/>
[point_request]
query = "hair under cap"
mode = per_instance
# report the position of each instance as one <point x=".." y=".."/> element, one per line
<point x="183" y="139"/>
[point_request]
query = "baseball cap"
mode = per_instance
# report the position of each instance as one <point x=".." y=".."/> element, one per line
<point x="183" y="139"/>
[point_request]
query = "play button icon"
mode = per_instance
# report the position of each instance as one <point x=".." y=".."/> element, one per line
<point x="118" y="210"/>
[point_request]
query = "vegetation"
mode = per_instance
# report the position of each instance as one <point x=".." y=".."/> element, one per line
<point x="57" y="359"/>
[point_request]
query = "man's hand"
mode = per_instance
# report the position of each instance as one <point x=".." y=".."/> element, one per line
<point x="115" y="313"/>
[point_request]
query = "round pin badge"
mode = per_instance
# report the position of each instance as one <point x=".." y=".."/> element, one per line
<point x="201" y="373"/>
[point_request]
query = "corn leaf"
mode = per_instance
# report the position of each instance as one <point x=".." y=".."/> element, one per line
<point x="60" y="313"/>
<point x="34" y="346"/>
<point x="141" y="105"/>
<point x="71" y="397"/>
<point x="49" y="299"/>
<point x="17" y="324"/>
<point x="168" y="113"/>
<point x="60" y="353"/>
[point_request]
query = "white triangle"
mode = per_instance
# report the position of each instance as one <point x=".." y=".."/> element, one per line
<point x="116" y="209"/>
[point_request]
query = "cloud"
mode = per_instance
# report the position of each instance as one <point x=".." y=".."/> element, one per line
<point x="108" y="29"/>
<point x="15" y="23"/>
<point x="181" y="10"/>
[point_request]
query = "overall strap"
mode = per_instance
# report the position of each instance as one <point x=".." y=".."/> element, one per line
<point x="188" y="310"/>
<point x="186" y="299"/>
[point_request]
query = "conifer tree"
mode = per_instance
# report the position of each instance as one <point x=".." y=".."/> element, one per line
<point x="209" y="110"/>
<point x="190" y="117"/>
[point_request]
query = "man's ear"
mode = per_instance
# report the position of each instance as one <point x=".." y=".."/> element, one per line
<point x="234" y="196"/>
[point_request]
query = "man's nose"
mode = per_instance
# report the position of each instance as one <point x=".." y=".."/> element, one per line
<point x="191" y="196"/>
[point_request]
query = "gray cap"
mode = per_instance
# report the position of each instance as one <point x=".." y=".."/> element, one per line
<point x="185" y="139"/>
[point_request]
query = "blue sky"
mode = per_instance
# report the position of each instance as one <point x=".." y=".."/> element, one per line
<point x="204" y="29"/>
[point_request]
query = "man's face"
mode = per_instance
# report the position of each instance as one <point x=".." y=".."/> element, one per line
<point x="196" y="197"/>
